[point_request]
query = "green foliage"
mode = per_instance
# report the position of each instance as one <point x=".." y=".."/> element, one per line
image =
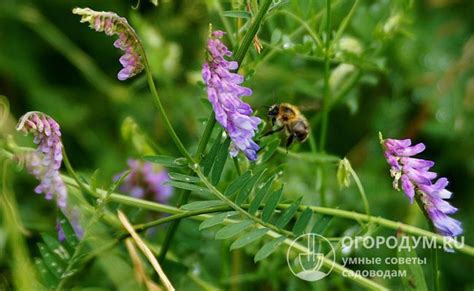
<point x="57" y="257"/>
<point x="166" y="161"/>
<point x="302" y="222"/>
<point x="288" y="214"/>
<point x="268" y="248"/>
<point x="260" y="195"/>
<point x="216" y="219"/>
<point x="271" y="204"/>
<point x="219" y="161"/>
<point x="248" y="238"/>
<point x="234" y="229"/>
<point x="238" y="183"/>
<point x="202" y="204"/>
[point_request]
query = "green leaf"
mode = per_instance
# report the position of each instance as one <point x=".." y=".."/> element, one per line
<point x="231" y="230"/>
<point x="48" y="278"/>
<point x="237" y="183"/>
<point x="70" y="236"/>
<point x="288" y="213"/>
<point x="271" y="204"/>
<point x="236" y="14"/>
<point x="247" y="188"/>
<point x="270" y="150"/>
<point x="55" y="247"/>
<point x="268" y="248"/>
<point x="166" y="161"/>
<point x="415" y="279"/>
<point x="202" y="204"/>
<point x="209" y="159"/>
<point x="248" y="238"/>
<point x="117" y="182"/>
<point x="219" y="163"/>
<point x="154" y="2"/>
<point x="54" y="264"/>
<point x="216" y="219"/>
<point x="188" y="186"/>
<point x="322" y="224"/>
<point x="260" y="195"/>
<point x="183" y="178"/>
<point x="302" y="222"/>
<point x="93" y="184"/>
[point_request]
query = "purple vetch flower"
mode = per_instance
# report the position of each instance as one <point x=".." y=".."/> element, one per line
<point x="146" y="180"/>
<point x="44" y="163"/>
<point x="224" y="93"/>
<point x="111" y="24"/>
<point x="413" y="176"/>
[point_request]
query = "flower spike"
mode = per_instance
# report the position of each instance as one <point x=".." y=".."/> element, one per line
<point x="44" y="163"/>
<point x="112" y="24"/>
<point x="412" y="175"/>
<point x="224" y="93"/>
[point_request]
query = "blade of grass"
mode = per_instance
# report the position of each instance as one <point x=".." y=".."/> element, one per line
<point x="145" y="250"/>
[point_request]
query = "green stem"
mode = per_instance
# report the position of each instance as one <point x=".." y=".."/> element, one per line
<point x="206" y="135"/>
<point x="254" y="27"/>
<point x="164" y="116"/>
<point x="305" y="25"/>
<point x="365" y="201"/>
<point x="345" y="22"/>
<point x="74" y="175"/>
<point x="321" y="188"/>
<point x="327" y="89"/>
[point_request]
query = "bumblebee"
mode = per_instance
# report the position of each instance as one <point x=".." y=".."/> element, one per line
<point x="288" y="117"/>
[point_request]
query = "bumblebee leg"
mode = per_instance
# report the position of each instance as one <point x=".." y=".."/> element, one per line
<point x="289" y="141"/>
<point x="273" y="131"/>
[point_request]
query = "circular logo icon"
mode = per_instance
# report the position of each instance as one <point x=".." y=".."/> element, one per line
<point x="306" y="257"/>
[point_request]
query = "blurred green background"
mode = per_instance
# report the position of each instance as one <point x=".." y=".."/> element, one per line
<point x="410" y="74"/>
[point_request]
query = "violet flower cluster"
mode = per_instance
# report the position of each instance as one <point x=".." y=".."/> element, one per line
<point x="224" y="93"/>
<point x="415" y="178"/>
<point x="44" y="163"/>
<point x="113" y="24"/>
<point x="146" y="181"/>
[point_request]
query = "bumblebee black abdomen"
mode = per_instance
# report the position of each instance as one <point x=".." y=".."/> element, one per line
<point x="300" y="130"/>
